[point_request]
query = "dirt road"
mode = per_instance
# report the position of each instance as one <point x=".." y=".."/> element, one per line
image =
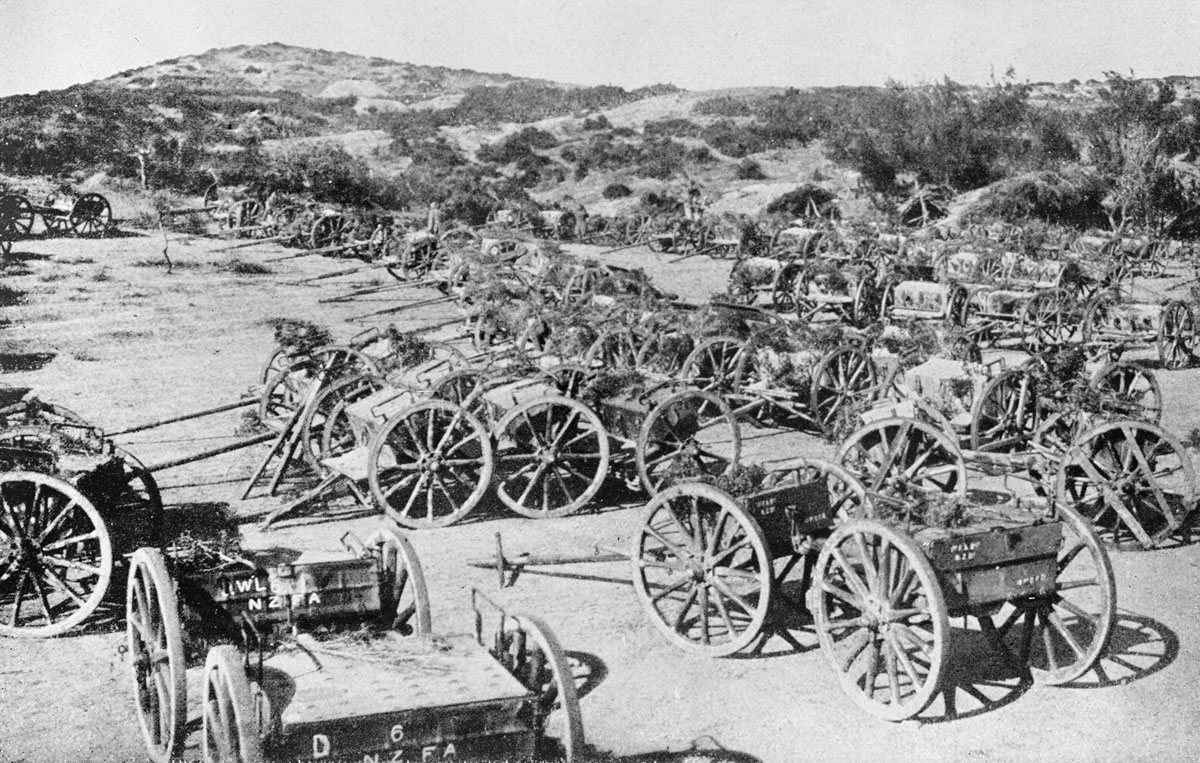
<point x="101" y="327"/>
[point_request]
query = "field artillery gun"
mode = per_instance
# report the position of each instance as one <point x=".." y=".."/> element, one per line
<point x="325" y="655"/>
<point x="88" y="215"/>
<point x="1111" y="324"/>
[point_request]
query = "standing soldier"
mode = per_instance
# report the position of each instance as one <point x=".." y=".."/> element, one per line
<point x="573" y="206"/>
<point x="433" y="223"/>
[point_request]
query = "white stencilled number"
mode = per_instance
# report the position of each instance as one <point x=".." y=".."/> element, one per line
<point x="397" y="733"/>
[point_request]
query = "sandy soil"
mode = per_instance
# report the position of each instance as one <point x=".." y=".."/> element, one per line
<point x="131" y="342"/>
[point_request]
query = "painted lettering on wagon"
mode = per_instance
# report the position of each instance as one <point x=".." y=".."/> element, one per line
<point x="963" y="551"/>
<point x="322" y="748"/>
<point x="280" y="597"/>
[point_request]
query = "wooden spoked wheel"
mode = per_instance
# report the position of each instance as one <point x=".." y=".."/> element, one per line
<point x="712" y="366"/>
<point x="864" y="310"/>
<point x="327" y="432"/>
<point x="443" y="359"/>
<point x="843" y="377"/>
<point x="430" y="465"/>
<point x="1176" y="341"/>
<point x="702" y="570"/>
<point x="156" y="654"/>
<point x="664" y="353"/>
<point x="895" y="456"/>
<point x="1044" y="322"/>
<point x="285" y="391"/>
<point x="230" y="732"/>
<point x="880" y="618"/>
<point x="763" y="403"/>
<point x="459" y="237"/>
<point x="1130" y="391"/>
<point x="1061" y="634"/>
<point x="280" y="359"/>
<point x="16" y="217"/>
<point x="1129" y="477"/>
<point x="326" y="230"/>
<point x="783" y="290"/>
<point x="581" y="285"/>
<point x="636" y="230"/>
<point x="1007" y="413"/>
<point x="690" y="432"/>
<point x="465" y="388"/>
<point x="56" y="557"/>
<point x="570" y="379"/>
<point x="405" y="596"/>
<point x="552" y="456"/>
<point x="91" y="215"/>
<point x="244" y="214"/>
<point x="530" y="651"/>
<point x="1097" y="315"/>
<point x="614" y="349"/>
<point x="847" y="496"/>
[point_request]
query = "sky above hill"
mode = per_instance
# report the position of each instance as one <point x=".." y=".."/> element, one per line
<point x="695" y="44"/>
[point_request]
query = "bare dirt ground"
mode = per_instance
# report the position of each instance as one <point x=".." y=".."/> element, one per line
<point x="104" y="330"/>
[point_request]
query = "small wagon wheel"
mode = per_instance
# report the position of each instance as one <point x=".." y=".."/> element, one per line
<point x="16" y="217"/>
<point x="530" y="651"/>
<point x="283" y="221"/>
<point x="405" y="596"/>
<point x="690" y="432"/>
<point x="887" y="297"/>
<point x="91" y="215"/>
<point x="459" y="237"/>
<point x="664" y="353"/>
<point x="280" y="359"/>
<point x="1130" y="391"/>
<point x="327" y="430"/>
<point x="783" y="289"/>
<point x="740" y="290"/>
<point x="244" y="214"/>
<point x="713" y="364"/>
<point x="1007" y="413"/>
<point x="880" y="618"/>
<point x="570" y="379"/>
<point x="1129" y="476"/>
<point x="430" y="465"/>
<point x="285" y="391"/>
<point x="230" y="708"/>
<point x="1176" y="339"/>
<point x="1096" y="315"/>
<point x="581" y="285"/>
<point x="326" y="230"/>
<point x="864" y="309"/>
<point x="847" y="496"/>
<point x="1061" y="634"/>
<point x="702" y="570"/>
<point x="989" y="269"/>
<point x="141" y="491"/>
<point x="897" y="455"/>
<point x="1044" y="322"/>
<point x="488" y="333"/>
<point x="614" y="349"/>
<point x="841" y="378"/>
<point x="156" y="655"/>
<point x="56" y="557"/>
<point x="552" y="457"/>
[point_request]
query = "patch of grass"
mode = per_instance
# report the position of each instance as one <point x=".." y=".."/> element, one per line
<point x="161" y="263"/>
<point x="76" y="260"/>
<point x="14" y="269"/>
<point x="122" y="334"/>
<point x="48" y="277"/>
<point x="102" y="275"/>
<point x="84" y="356"/>
<point x="244" y="268"/>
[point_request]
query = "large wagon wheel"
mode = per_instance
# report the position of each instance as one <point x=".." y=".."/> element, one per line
<point x="664" y="353"/>
<point x="1176" y="339"/>
<point x="405" y="596"/>
<point x="244" y="214"/>
<point x="615" y="349"/>
<point x="91" y="215"/>
<point x="430" y="465"/>
<point x="56" y="557"/>
<point x="552" y="457"/>
<point x="880" y="618"/>
<point x="702" y="570"/>
<point x="713" y="364"/>
<point x="530" y="651"/>
<point x="847" y="495"/>
<point x="156" y="655"/>
<point x="841" y="378"/>
<point x="895" y="456"/>
<point x="465" y="388"/>
<point x="1130" y="390"/>
<point x="16" y="217"/>
<point x="636" y="230"/>
<point x="1007" y="413"/>
<point x="231" y="709"/>
<point x="326" y="230"/>
<point x="690" y="432"/>
<point x="1044" y="322"/>
<point x="1061" y="634"/>
<point x="1129" y="476"/>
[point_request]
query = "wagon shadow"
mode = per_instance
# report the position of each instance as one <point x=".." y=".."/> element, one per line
<point x="14" y="255"/>
<point x="977" y="680"/>
<point x="13" y="362"/>
<point x="1139" y="647"/>
<point x="703" y="750"/>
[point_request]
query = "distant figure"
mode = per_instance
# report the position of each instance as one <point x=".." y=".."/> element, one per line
<point x="433" y="223"/>
<point x="693" y="206"/>
<point x="577" y="209"/>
